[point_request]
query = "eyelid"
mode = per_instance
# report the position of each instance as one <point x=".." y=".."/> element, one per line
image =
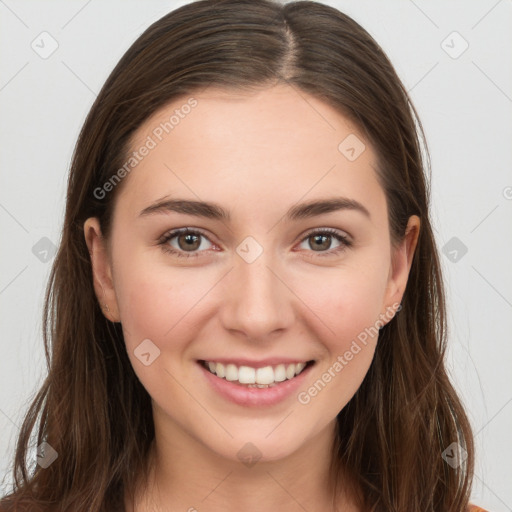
<point x="331" y="231"/>
<point x="171" y="233"/>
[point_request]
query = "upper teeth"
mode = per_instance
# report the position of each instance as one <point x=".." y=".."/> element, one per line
<point x="249" y="375"/>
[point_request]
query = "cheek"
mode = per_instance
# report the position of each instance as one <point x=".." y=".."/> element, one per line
<point x="158" y="304"/>
<point x="155" y="299"/>
<point x="346" y="300"/>
<point x="346" y="307"/>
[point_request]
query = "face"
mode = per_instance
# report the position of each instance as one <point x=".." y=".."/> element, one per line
<point x="262" y="276"/>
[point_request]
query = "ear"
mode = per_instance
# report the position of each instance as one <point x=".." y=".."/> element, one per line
<point x="101" y="269"/>
<point x="401" y="261"/>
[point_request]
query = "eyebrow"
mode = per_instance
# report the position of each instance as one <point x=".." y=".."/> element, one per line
<point x="216" y="212"/>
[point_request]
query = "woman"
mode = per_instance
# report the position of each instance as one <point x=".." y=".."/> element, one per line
<point x="247" y="310"/>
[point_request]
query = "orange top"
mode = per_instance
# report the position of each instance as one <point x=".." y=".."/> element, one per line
<point x="474" y="508"/>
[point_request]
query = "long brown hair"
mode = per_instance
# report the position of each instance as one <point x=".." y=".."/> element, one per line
<point x="94" y="411"/>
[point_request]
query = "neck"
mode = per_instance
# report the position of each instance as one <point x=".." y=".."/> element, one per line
<point x="185" y="475"/>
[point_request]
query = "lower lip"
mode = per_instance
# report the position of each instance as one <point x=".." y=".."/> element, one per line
<point x="255" y="397"/>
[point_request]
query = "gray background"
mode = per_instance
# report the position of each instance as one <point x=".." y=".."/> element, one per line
<point x="464" y="101"/>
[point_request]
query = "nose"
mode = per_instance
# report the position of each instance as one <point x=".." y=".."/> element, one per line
<point x="259" y="302"/>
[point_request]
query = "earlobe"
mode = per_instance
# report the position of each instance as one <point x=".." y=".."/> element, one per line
<point x="101" y="269"/>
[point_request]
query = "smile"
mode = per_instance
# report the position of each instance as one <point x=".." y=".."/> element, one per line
<point x="267" y="376"/>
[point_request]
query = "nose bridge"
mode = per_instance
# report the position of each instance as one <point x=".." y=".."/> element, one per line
<point x="259" y="301"/>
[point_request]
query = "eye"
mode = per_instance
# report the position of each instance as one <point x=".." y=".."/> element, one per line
<point x="320" y="241"/>
<point x="187" y="244"/>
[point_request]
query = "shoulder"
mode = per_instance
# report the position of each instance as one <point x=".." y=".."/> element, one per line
<point x="471" y="508"/>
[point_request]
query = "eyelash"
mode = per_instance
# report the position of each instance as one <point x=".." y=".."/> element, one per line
<point x="345" y="242"/>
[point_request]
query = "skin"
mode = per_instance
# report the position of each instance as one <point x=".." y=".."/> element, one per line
<point x="256" y="155"/>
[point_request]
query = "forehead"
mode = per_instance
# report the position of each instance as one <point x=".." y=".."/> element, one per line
<point x="274" y="145"/>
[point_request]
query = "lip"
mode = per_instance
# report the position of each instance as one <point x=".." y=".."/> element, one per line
<point x="255" y="397"/>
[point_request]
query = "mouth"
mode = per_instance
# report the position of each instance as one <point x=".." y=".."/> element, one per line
<point x="256" y="377"/>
